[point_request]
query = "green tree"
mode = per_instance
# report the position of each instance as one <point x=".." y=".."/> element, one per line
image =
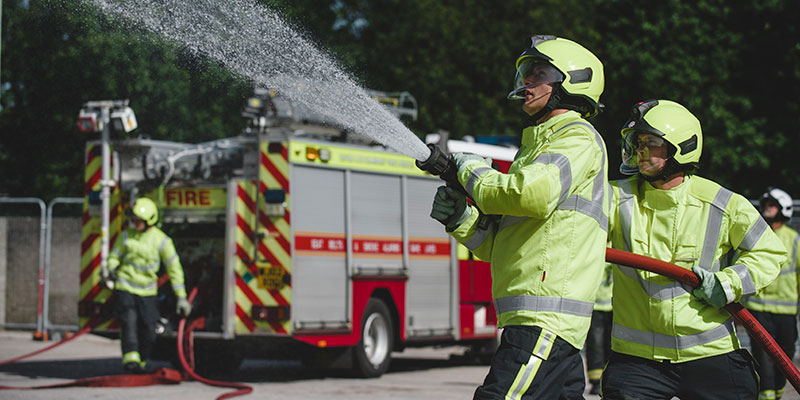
<point x="58" y="55"/>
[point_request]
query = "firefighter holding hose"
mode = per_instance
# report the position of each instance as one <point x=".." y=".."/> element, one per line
<point x="775" y="307"/>
<point x="548" y="239"/>
<point x="133" y="273"/>
<point x="668" y="339"/>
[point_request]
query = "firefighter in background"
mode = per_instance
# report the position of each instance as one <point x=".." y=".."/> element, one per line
<point x="133" y="268"/>
<point x="547" y="243"/>
<point x="668" y="339"/>
<point x="775" y="307"/>
<point x="598" y="343"/>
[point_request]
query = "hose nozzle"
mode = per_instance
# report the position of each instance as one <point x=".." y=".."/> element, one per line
<point x="440" y="164"/>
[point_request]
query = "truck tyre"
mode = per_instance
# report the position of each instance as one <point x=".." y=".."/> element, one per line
<point x="373" y="353"/>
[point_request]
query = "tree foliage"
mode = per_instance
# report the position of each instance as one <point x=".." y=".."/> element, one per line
<point x="736" y="66"/>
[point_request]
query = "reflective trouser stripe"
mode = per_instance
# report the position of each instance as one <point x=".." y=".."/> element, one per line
<point x="595" y="374"/>
<point x="528" y="370"/>
<point x="131" y="356"/>
<point x="767" y="395"/>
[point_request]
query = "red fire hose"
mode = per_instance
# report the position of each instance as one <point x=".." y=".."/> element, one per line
<point x="740" y="314"/>
<point x="185" y="340"/>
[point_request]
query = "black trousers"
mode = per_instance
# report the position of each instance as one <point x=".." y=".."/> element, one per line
<point x="783" y="328"/>
<point x="532" y="363"/>
<point x="137" y="318"/>
<point x="728" y="376"/>
<point x="598" y="344"/>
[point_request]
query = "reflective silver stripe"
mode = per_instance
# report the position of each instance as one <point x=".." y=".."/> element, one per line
<point x="603" y="302"/>
<point x="593" y="208"/>
<point x="794" y="252"/>
<point x="586" y="207"/>
<point x="171" y="259"/>
<point x="748" y="286"/>
<point x="626" y="211"/>
<point x="672" y="342"/>
<point x="181" y="286"/>
<point x="136" y="285"/>
<point x="146" y="268"/>
<point x="753" y="235"/>
<point x="541" y="352"/>
<point x="532" y="366"/>
<point x="564" y="171"/>
<point x="772" y="302"/>
<point x="473" y="177"/>
<point x="477" y="238"/>
<point x="163" y="243"/>
<point x="655" y="290"/>
<point x="713" y="227"/>
<point x="544" y="304"/>
<point x="787" y="271"/>
<point x="117" y="252"/>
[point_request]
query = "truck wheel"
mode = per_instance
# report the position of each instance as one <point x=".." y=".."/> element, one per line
<point x="374" y="351"/>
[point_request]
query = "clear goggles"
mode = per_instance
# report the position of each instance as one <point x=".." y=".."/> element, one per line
<point x="532" y="73"/>
<point x="631" y="142"/>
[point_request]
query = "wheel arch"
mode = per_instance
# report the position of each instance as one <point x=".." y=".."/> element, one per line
<point x="384" y="295"/>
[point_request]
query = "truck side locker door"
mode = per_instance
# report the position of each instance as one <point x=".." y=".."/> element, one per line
<point x="430" y="302"/>
<point x="320" y="278"/>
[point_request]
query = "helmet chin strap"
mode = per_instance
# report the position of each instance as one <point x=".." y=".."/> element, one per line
<point x="670" y="168"/>
<point x="555" y="99"/>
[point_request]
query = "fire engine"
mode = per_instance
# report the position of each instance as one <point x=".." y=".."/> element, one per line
<point x="302" y="240"/>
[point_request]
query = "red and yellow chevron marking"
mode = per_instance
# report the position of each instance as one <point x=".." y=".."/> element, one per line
<point x="90" y="287"/>
<point x="273" y="247"/>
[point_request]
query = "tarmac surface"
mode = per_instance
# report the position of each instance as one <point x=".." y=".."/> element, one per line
<point x="415" y="374"/>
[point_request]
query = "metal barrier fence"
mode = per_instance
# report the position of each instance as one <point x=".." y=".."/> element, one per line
<point x="18" y="239"/>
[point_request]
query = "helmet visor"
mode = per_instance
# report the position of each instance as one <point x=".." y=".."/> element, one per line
<point x="631" y="143"/>
<point x="531" y="73"/>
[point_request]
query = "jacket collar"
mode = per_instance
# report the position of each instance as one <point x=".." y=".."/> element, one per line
<point x="537" y="133"/>
<point x="658" y="199"/>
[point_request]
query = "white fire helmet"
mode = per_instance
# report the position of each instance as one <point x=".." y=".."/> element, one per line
<point x="783" y="199"/>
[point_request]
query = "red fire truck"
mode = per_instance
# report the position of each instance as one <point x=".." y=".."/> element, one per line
<point x="301" y="242"/>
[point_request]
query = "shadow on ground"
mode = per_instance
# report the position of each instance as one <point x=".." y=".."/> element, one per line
<point x="251" y="370"/>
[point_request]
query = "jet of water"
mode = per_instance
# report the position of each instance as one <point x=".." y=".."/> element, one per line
<point x="254" y="42"/>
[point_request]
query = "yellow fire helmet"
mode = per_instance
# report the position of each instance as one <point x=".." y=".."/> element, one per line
<point x="667" y="120"/>
<point x="146" y="209"/>
<point x="575" y="72"/>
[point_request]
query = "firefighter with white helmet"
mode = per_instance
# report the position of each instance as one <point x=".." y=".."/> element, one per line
<point x="668" y="339"/>
<point x="133" y="267"/>
<point x="775" y="307"/>
<point x="548" y="244"/>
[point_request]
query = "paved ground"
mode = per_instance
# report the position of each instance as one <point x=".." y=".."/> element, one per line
<point x="416" y="374"/>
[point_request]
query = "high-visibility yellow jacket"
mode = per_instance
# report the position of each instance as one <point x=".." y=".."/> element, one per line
<point x="547" y="251"/>
<point x="136" y="259"/>
<point x="603" y="300"/>
<point x="696" y="223"/>
<point x="781" y="296"/>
